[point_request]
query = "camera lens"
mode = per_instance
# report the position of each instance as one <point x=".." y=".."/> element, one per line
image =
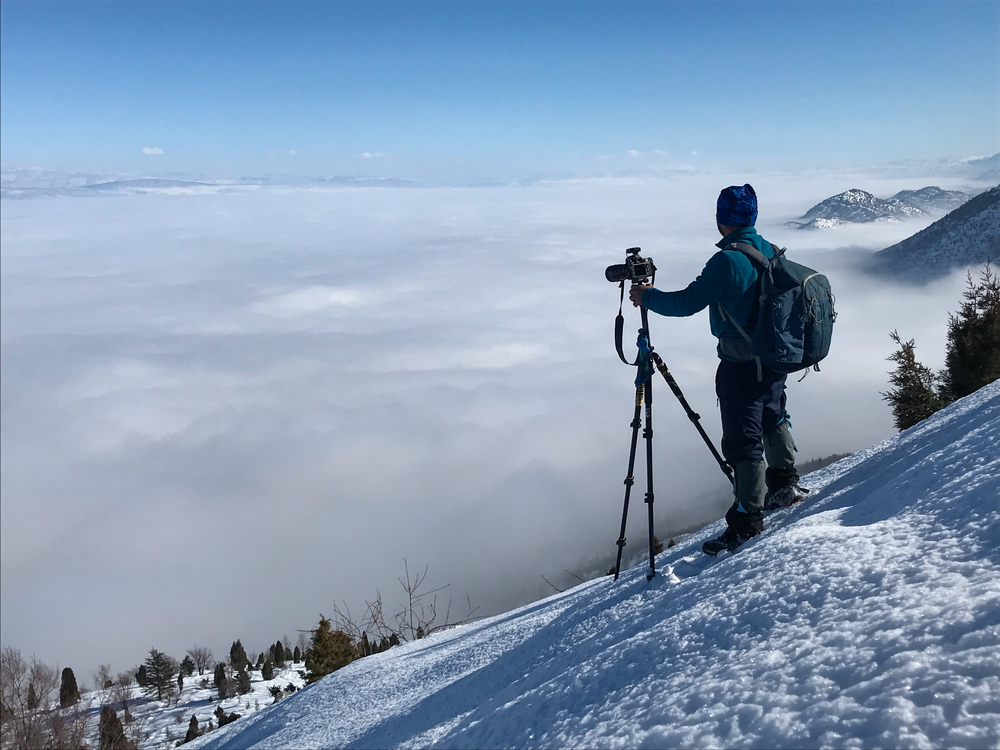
<point x="616" y="273"/>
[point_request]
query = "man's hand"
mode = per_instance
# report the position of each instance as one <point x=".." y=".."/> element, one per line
<point x="635" y="294"/>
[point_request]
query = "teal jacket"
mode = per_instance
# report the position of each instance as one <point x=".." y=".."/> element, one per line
<point x="729" y="277"/>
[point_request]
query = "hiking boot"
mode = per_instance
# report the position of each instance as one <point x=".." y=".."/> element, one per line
<point x="741" y="526"/>
<point x="784" y="496"/>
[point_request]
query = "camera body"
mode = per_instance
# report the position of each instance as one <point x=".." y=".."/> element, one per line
<point x="636" y="269"/>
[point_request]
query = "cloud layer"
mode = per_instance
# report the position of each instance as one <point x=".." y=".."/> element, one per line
<point x="222" y="413"/>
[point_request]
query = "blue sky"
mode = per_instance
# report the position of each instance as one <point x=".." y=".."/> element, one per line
<point x="246" y="84"/>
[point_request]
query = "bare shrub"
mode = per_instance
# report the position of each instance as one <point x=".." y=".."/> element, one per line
<point x="416" y="618"/>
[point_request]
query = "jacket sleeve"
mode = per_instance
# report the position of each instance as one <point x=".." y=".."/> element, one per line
<point x="717" y="276"/>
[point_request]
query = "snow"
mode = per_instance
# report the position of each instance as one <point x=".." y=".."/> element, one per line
<point x="868" y="615"/>
<point x="162" y="723"/>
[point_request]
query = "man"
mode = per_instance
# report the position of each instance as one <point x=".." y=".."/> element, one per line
<point x="755" y="424"/>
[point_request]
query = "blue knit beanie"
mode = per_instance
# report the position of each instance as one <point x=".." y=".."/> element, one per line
<point x="737" y="207"/>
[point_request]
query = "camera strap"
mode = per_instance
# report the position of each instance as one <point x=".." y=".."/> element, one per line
<point x="620" y="329"/>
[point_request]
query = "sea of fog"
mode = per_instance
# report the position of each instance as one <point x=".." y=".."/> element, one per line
<point x="226" y="411"/>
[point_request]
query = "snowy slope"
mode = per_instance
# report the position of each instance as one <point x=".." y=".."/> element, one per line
<point x="968" y="236"/>
<point x="867" y="616"/>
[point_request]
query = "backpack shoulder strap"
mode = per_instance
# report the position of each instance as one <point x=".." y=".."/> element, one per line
<point x="751" y="252"/>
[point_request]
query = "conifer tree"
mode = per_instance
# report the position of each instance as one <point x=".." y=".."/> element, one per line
<point x="111" y="733"/>
<point x="238" y="657"/>
<point x="221" y="681"/>
<point x="68" y="692"/>
<point x="33" y="701"/>
<point x="159" y="675"/>
<point x="330" y="650"/>
<point x="972" y="358"/>
<point x="296" y="655"/>
<point x="279" y="654"/>
<point x="140" y="676"/>
<point x="243" y="682"/>
<point x="267" y="671"/>
<point x="187" y="666"/>
<point x="913" y="396"/>
<point x="192" y="732"/>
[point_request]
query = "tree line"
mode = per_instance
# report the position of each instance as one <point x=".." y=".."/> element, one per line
<point x="32" y="719"/>
<point x="972" y="357"/>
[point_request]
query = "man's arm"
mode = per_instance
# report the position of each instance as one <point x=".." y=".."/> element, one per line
<point x="710" y="285"/>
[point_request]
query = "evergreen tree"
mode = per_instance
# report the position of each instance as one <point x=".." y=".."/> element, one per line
<point x="187" y="666"/>
<point x="238" y="657"/>
<point x="159" y="675"/>
<point x="221" y="681"/>
<point x="140" y="676"/>
<point x="329" y="651"/>
<point x="192" y="732"/>
<point x="260" y="660"/>
<point x="267" y="671"/>
<point x="110" y="731"/>
<point x="68" y="692"/>
<point x="243" y="682"/>
<point x="33" y="701"/>
<point x="296" y="655"/>
<point x="180" y="679"/>
<point x="972" y="358"/>
<point x="913" y="396"/>
<point x="279" y="654"/>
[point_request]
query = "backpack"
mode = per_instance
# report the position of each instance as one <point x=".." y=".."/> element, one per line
<point x="795" y="315"/>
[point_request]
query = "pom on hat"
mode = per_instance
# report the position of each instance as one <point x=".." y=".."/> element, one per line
<point x="737" y="207"/>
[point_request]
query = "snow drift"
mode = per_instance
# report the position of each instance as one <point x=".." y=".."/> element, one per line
<point x="867" y="616"/>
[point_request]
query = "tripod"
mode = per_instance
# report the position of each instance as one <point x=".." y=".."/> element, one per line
<point x="644" y="363"/>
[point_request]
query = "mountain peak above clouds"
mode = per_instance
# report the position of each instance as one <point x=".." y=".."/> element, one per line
<point x="968" y="236"/>
<point x="857" y="206"/>
<point x="932" y="199"/>
<point x="865" y="616"/>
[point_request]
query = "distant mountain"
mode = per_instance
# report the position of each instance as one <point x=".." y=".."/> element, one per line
<point x="990" y="167"/>
<point x="860" y="207"/>
<point x="855" y="207"/>
<point x="932" y="200"/>
<point x="34" y="183"/>
<point x="145" y="183"/>
<point x="968" y="236"/>
<point x="992" y="175"/>
<point x="964" y="168"/>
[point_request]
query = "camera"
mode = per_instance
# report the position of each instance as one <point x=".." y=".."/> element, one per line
<point x="636" y="269"/>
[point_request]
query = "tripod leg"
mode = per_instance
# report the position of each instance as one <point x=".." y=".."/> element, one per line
<point x="629" y="480"/>
<point x="693" y="416"/>
<point x="648" y="434"/>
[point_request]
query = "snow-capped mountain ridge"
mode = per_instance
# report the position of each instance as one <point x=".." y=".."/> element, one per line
<point x="865" y="616"/>
<point x="857" y="206"/>
<point x="932" y="199"/>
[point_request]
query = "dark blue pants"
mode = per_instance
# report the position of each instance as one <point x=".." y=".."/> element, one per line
<point x="749" y="408"/>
